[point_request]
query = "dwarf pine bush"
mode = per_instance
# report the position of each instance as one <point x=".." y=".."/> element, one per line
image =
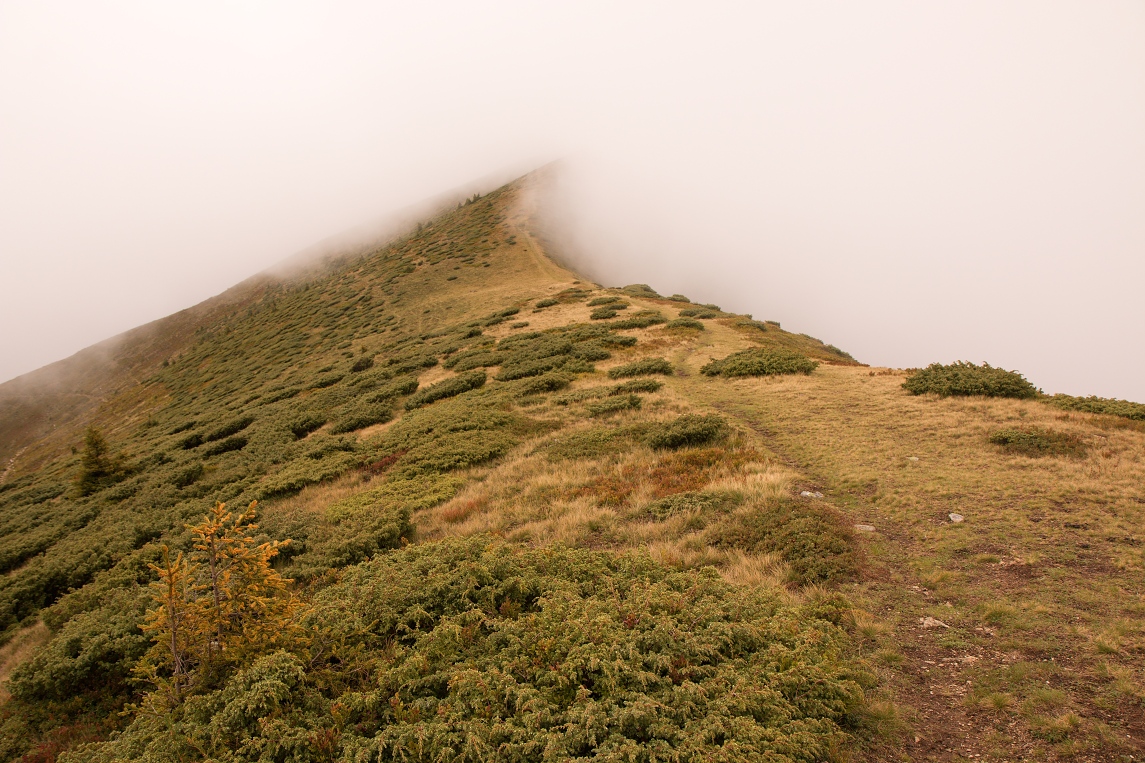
<point x="964" y="378"/>
<point x="760" y="361"/>
<point x="688" y="430"/>
<point x="1101" y="405"/>
<point x="644" y="367"/>
<point x="613" y="404"/>
<point x="724" y="672"/>
<point x="448" y="388"/>
<point x="1037" y="441"/>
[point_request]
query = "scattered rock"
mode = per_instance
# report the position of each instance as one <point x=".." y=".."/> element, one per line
<point x="809" y="494"/>
<point x="912" y="458"/>
<point x="956" y="518"/>
<point x="865" y="528"/>
<point x="931" y="622"/>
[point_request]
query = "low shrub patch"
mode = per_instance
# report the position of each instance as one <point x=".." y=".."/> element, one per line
<point x="543" y="303"/>
<point x="305" y="424"/>
<point x="1035" y="442"/>
<point x="607" y="301"/>
<point x="448" y="388"/>
<point x="226" y="446"/>
<point x="644" y="367"/>
<point x="1102" y="405"/>
<point x="361" y="416"/>
<point x="964" y="378"/>
<point x="701" y="501"/>
<point x="640" y="320"/>
<point x="760" y="362"/>
<point x="814" y="540"/>
<point x="636" y="385"/>
<point x="602" y="313"/>
<point x="437" y="646"/>
<point x="588" y="443"/>
<point x="702" y="313"/>
<point x="614" y="404"/>
<point x="685" y="323"/>
<point x="550" y="382"/>
<point x="230" y="428"/>
<point x="362" y="364"/>
<point x="688" y="430"/>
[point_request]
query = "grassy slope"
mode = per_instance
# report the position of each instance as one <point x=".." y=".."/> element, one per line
<point x="1040" y="586"/>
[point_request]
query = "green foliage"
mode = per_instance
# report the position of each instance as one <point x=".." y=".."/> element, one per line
<point x="685" y="323"/>
<point x="678" y="298"/>
<point x="701" y="313"/>
<point x="814" y="539"/>
<point x="98" y="468"/>
<point x="1037" y="441"/>
<point x="613" y="404"/>
<point x="609" y="300"/>
<point x="226" y="446"/>
<point x="688" y="430"/>
<point x="469" y="648"/>
<point x="448" y="388"/>
<point x="230" y="428"/>
<point x="586" y="443"/>
<point x="640" y="290"/>
<point x="760" y="362"/>
<point x="964" y="378"/>
<point x="543" y="303"/>
<point x="362" y="364"/>
<point x="644" y="367"/>
<point x="305" y="424"/>
<point x="603" y="313"/>
<point x="640" y="320"/>
<point x="636" y="385"/>
<point x="93" y="653"/>
<point x="550" y="382"/>
<point x="362" y="415"/>
<point x="1101" y="405"/>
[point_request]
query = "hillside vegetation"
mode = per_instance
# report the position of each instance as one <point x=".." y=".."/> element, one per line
<point x="442" y="499"/>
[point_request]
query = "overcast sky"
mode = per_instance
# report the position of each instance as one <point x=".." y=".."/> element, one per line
<point x="911" y="181"/>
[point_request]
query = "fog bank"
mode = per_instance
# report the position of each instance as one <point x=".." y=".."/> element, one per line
<point x="911" y="182"/>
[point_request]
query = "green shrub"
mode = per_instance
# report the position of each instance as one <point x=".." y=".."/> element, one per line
<point x="188" y="475"/>
<point x="362" y="415"/>
<point x="362" y="364"/>
<point x="305" y="424"/>
<point x="687" y="431"/>
<point x="644" y="367"/>
<point x="550" y="302"/>
<point x="615" y="404"/>
<point x="1101" y="405"/>
<point x="98" y="467"/>
<point x="702" y="313"/>
<point x="455" y="649"/>
<point x="678" y="298"/>
<point x="640" y="320"/>
<point x="1036" y="441"/>
<point x="636" y="385"/>
<point x="640" y="290"/>
<point x="226" y="446"/>
<point x="550" y="382"/>
<point x="602" y="313"/>
<point x="612" y="300"/>
<point x="815" y="540"/>
<point x="760" y="362"/>
<point x="587" y="443"/>
<point x="685" y="323"/>
<point x="405" y="385"/>
<point x="230" y="428"/>
<point x="447" y="388"/>
<point x="964" y="378"/>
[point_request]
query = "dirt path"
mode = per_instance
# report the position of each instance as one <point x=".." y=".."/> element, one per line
<point x="854" y="441"/>
<point x="11" y="465"/>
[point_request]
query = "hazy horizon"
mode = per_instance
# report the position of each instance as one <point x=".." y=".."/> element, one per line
<point x="912" y="184"/>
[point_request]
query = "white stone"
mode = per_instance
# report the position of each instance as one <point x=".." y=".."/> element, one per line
<point x="956" y="518"/>
<point x="865" y="528"/>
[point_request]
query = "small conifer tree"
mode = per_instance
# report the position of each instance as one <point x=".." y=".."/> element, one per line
<point x="218" y="610"/>
<point x="98" y="468"/>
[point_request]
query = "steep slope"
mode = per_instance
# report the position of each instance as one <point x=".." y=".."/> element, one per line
<point x="527" y="516"/>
